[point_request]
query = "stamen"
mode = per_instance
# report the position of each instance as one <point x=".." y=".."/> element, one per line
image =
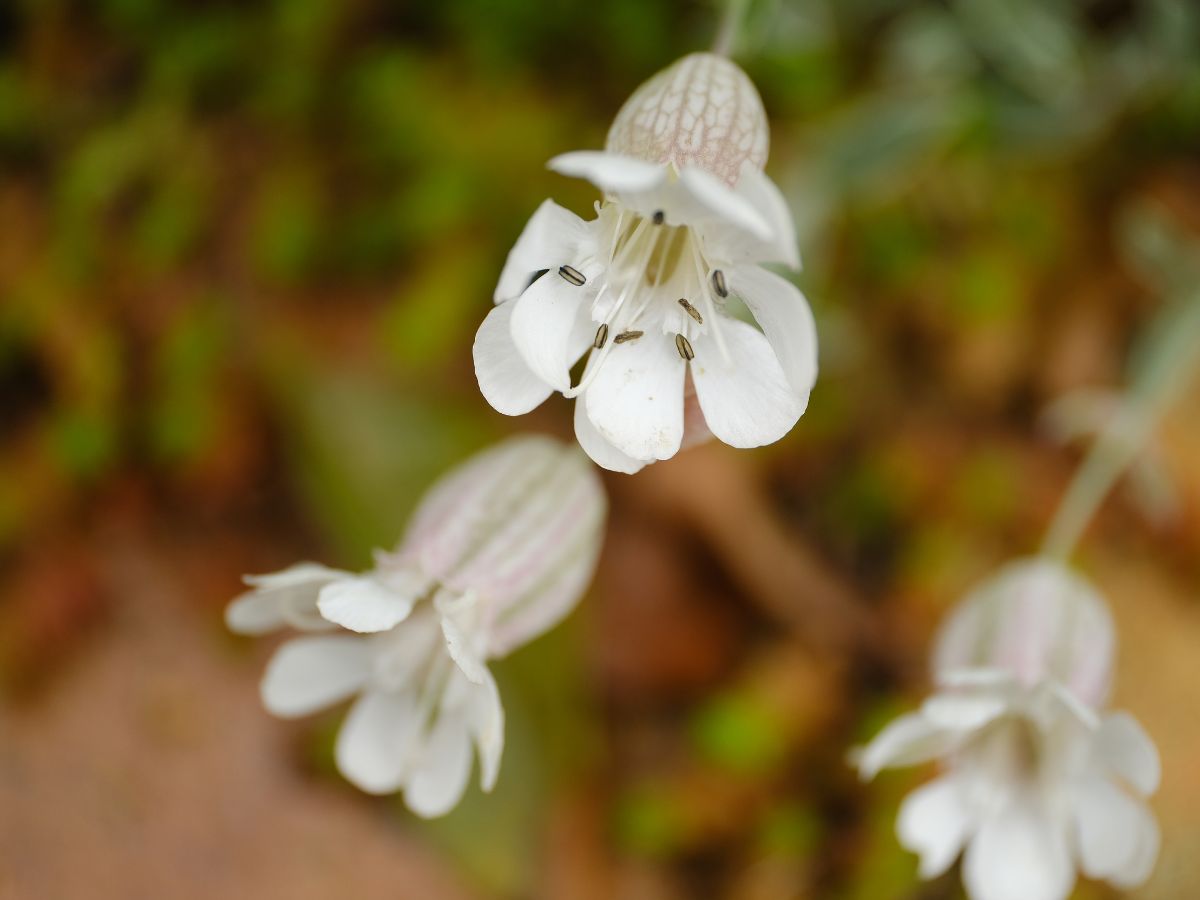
<point x="629" y="289"/>
<point x="601" y="336"/>
<point x="684" y="346"/>
<point x="692" y="311"/>
<point x="574" y="276"/>
<point x="627" y="336"/>
<point x="718" y="283"/>
<point x="659" y="217"/>
<point x="703" y="276"/>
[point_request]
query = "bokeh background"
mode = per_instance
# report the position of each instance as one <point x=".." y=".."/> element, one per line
<point x="243" y="252"/>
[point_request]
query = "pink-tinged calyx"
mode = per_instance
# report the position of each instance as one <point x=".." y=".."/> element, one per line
<point x="1035" y="620"/>
<point x="519" y="525"/>
<point x="701" y="111"/>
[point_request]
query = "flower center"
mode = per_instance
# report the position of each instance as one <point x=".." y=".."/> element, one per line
<point x="1009" y="756"/>
<point x="656" y="280"/>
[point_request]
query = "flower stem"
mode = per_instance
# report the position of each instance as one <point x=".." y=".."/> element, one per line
<point x="1170" y="356"/>
<point x="731" y="23"/>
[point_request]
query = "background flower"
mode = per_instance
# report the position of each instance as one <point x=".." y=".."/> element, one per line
<point x="500" y="549"/>
<point x="1037" y="780"/>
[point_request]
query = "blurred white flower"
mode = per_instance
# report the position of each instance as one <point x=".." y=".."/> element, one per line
<point x="688" y="215"/>
<point x="1090" y="414"/>
<point x="1036" y="782"/>
<point x="497" y="553"/>
<point x="1035" y="620"/>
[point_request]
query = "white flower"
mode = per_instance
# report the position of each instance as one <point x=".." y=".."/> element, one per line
<point x="687" y="217"/>
<point x="1036" y="620"/>
<point x="497" y="553"/>
<point x="1036" y="782"/>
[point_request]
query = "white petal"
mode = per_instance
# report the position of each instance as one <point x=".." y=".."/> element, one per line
<point x="993" y="679"/>
<point x="440" y="775"/>
<point x="720" y="202"/>
<point x="375" y="745"/>
<point x="1127" y="750"/>
<point x="963" y="711"/>
<point x="552" y="236"/>
<point x="610" y="171"/>
<point x="254" y="613"/>
<point x="786" y="320"/>
<point x="367" y="605"/>
<point x="763" y="194"/>
<point x="311" y="673"/>
<point x="464" y="641"/>
<point x="636" y="399"/>
<point x="1141" y="862"/>
<point x="1018" y="855"/>
<point x="747" y="402"/>
<point x="908" y="740"/>
<point x="486" y="720"/>
<point x="288" y="597"/>
<point x="542" y="324"/>
<point x="504" y="380"/>
<point x="601" y="452"/>
<point x="300" y="575"/>
<point x="400" y="656"/>
<point x="1110" y="824"/>
<point x="934" y="823"/>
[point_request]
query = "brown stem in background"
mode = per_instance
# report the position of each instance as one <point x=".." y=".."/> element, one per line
<point x="784" y="577"/>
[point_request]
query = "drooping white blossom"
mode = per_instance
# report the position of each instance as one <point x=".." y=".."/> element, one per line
<point x="688" y="216"/>
<point x="1037" y="780"/>
<point x="498" y="551"/>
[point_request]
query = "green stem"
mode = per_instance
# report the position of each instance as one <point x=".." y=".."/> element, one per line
<point x="1170" y="356"/>
<point x="731" y="24"/>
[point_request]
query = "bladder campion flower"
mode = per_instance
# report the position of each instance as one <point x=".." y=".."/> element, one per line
<point x="688" y="215"/>
<point x="1037" y="779"/>
<point x="497" y="553"/>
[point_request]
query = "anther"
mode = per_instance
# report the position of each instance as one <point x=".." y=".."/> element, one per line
<point x="601" y="337"/>
<point x="684" y="346"/>
<point x="691" y="311"/>
<point x="574" y="276"/>
<point x="718" y="283"/>
<point x="627" y="336"/>
<point x="659" y="217"/>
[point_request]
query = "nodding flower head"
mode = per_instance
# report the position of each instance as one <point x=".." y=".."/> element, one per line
<point x="642" y="290"/>
<point x="1036" y="620"/>
<point x="1037" y="780"/>
<point x="498" y="551"/>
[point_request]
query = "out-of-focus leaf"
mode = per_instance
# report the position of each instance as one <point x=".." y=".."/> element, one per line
<point x="363" y="453"/>
<point x="288" y="224"/>
<point x="438" y="309"/>
<point x="738" y="733"/>
<point x="183" y="407"/>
